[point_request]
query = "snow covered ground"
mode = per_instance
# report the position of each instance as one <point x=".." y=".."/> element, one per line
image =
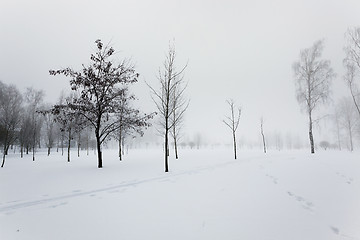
<point x="206" y="195"/>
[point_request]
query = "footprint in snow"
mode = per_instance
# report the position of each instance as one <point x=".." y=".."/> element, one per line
<point x="274" y="179"/>
<point x="57" y="205"/>
<point x="307" y="205"/>
<point x="335" y="230"/>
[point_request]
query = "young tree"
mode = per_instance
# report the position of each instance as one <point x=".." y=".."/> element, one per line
<point x="262" y="133"/>
<point x="170" y="87"/>
<point x="10" y="116"/>
<point x="313" y="78"/>
<point x="130" y="120"/>
<point x="233" y="121"/>
<point x="69" y="120"/>
<point x="100" y="86"/>
<point x="352" y="64"/>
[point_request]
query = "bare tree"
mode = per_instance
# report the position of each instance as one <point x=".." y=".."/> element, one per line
<point x="336" y="121"/>
<point x="10" y="116"/>
<point x="34" y="100"/>
<point x="348" y="119"/>
<point x="313" y="78"/>
<point x="69" y="120"/>
<point x="170" y="86"/>
<point x="49" y="128"/>
<point x="130" y="120"/>
<point x="352" y="64"/>
<point x="262" y="133"/>
<point x="233" y="121"/>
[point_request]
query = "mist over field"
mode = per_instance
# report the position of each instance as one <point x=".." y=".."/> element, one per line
<point x="180" y="119"/>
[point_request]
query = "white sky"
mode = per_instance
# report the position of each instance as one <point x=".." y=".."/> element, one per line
<point x="240" y="49"/>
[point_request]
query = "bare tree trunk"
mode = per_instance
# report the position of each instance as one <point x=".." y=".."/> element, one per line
<point x="4" y="154"/>
<point x="350" y="137"/>
<point x="166" y="148"/>
<point x="98" y="145"/>
<point x="175" y="142"/>
<point x="234" y="139"/>
<point x="3" y="160"/>
<point x="62" y="144"/>
<point x="176" y="150"/>
<point x="48" y="151"/>
<point x="69" y="143"/>
<point x="120" y="143"/>
<point x="87" y="144"/>
<point x="311" y="135"/>
<point x="79" y="137"/>
<point x="262" y="134"/>
<point x="33" y="153"/>
<point x="34" y="142"/>
<point x="22" y="151"/>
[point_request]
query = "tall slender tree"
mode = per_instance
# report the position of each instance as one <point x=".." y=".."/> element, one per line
<point x="313" y="77"/>
<point x="233" y="121"/>
<point x="170" y="80"/>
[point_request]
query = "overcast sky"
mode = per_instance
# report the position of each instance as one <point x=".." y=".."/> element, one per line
<point x="240" y="49"/>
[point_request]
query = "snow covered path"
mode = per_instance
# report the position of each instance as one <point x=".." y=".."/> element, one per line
<point x="207" y="195"/>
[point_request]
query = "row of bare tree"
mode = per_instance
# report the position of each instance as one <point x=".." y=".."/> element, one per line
<point x="19" y="122"/>
<point x="313" y="79"/>
<point x="100" y="101"/>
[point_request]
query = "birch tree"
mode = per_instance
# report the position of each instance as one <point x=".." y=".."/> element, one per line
<point x="313" y="78"/>
<point x="352" y="64"/>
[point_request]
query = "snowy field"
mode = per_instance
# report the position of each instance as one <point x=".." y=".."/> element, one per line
<point x="206" y="195"/>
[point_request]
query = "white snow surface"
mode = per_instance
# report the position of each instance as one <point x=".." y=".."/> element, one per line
<point x="281" y="195"/>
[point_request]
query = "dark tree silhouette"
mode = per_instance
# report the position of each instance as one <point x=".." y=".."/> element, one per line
<point x="233" y="121"/>
<point x="100" y="86"/>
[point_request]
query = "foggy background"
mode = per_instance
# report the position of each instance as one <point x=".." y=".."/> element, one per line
<point x="242" y="50"/>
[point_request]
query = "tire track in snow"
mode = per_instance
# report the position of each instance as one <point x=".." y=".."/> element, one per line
<point x="19" y="205"/>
